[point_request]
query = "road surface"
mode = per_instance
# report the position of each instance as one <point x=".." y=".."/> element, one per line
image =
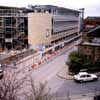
<point x="48" y="73"/>
<point x="61" y="87"/>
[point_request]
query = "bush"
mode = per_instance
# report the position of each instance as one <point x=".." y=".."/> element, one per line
<point x="75" y="62"/>
<point x="78" y="61"/>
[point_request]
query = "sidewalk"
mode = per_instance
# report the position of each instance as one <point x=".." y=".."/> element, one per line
<point x="63" y="73"/>
<point x="85" y="98"/>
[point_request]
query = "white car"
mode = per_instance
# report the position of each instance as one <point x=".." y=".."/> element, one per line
<point x="84" y="76"/>
<point x="1" y="72"/>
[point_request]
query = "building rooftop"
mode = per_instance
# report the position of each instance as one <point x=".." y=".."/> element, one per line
<point x="91" y="44"/>
<point x="95" y="32"/>
<point x="93" y="18"/>
<point x="53" y="7"/>
<point x="9" y="7"/>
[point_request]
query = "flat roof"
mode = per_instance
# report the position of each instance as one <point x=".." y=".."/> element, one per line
<point x="54" y="7"/>
<point x="93" y="18"/>
<point x="94" y="29"/>
<point x="9" y="7"/>
<point x="91" y="44"/>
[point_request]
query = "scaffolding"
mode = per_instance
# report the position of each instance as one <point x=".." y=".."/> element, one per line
<point x="12" y="27"/>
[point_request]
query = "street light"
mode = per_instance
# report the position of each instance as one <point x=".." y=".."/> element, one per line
<point x="82" y="12"/>
<point x="82" y="21"/>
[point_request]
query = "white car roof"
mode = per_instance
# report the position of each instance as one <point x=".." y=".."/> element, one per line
<point x="0" y="69"/>
<point x="82" y="73"/>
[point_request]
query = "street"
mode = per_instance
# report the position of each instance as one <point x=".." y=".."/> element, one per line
<point x="48" y="72"/>
<point x="78" y="88"/>
<point x="50" y="50"/>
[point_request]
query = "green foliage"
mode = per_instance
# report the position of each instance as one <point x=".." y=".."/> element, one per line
<point x="76" y="60"/>
<point x="95" y="67"/>
<point x="87" y="63"/>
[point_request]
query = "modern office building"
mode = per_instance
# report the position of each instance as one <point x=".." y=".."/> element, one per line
<point x="52" y="26"/>
<point x="13" y="28"/>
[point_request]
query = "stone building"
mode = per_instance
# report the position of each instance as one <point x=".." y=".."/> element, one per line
<point x="91" y="45"/>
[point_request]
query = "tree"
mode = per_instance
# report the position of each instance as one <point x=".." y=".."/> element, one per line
<point x="87" y="63"/>
<point x="10" y="85"/>
<point x="39" y="93"/>
<point x="42" y="93"/>
<point x="76" y="59"/>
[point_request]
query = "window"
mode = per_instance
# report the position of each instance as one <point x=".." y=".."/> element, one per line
<point x="0" y="23"/>
<point x="49" y="10"/>
<point x="9" y="21"/>
<point x="82" y="76"/>
<point x="88" y="75"/>
<point x="39" y="10"/>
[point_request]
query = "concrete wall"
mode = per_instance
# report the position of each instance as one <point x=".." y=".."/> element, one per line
<point x="39" y="28"/>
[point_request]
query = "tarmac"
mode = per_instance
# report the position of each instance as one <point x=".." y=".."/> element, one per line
<point x="63" y="74"/>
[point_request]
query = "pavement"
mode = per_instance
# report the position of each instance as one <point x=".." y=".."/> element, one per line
<point x="85" y="98"/>
<point x="68" y="98"/>
<point x="63" y="73"/>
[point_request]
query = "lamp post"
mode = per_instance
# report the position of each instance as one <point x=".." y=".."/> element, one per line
<point x="82" y="21"/>
<point x="47" y="35"/>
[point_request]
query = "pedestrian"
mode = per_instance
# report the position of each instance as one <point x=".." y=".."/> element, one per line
<point x="14" y="63"/>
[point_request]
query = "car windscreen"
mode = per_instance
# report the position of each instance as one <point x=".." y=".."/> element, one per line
<point x="82" y="76"/>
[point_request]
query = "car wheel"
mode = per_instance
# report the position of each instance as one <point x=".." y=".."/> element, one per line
<point x="77" y="81"/>
<point x="81" y="81"/>
<point x="1" y="77"/>
<point x="95" y="79"/>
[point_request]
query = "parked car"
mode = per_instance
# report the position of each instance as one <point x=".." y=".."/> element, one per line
<point x="1" y="72"/>
<point x="84" y="76"/>
<point x="97" y="97"/>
